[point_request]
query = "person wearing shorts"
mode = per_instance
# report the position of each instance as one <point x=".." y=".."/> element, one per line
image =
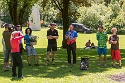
<point x="102" y="39"/>
<point x="6" y="36"/>
<point x="52" y="35"/>
<point x="29" y="48"/>
<point x="115" y="52"/>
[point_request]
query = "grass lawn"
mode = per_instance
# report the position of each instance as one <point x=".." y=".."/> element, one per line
<point x="62" y="72"/>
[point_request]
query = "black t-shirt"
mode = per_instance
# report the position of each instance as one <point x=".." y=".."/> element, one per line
<point x="52" y="33"/>
<point x="114" y="46"/>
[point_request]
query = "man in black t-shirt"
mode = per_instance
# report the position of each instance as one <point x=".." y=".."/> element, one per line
<point x="52" y="35"/>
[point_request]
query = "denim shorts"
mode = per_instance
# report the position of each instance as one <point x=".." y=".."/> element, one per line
<point x="102" y="50"/>
<point x="30" y="49"/>
<point x="7" y="55"/>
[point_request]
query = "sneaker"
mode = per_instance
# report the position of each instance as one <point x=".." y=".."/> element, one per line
<point x="36" y="64"/>
<point x="6" y="70"/>
<point x="105" y="64"/>
<point x="120" y="67"/>
<point x="21" y="77"/>
<point x="99" y="64"/>
<point x="29" y="65"/>
<point x="113" y="65"/>
<point x="46" y="64"/>
<point x="8" y="66"/>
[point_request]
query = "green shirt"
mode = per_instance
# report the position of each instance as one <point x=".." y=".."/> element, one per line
<point x="102" y="39"/>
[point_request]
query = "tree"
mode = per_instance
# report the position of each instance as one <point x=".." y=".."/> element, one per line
<point x="18" y="8"/>
<point x="63" y="6"/>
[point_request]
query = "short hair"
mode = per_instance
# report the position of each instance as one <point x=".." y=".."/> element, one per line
<point x="114" y="28"/>
<point x="101" y="27"/>
<point x="18" y="25"/>
<point x="6" y="25"/>
<point x="53" y="24"/>
<point x="29" y="29"/>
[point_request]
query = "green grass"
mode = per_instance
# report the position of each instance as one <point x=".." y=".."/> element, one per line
<point x="61" y="72"/>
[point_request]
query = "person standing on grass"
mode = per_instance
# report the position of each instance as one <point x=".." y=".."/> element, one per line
<point x="115" y="52"/>
<point x="6" y="36"/>
<point x="102" y="39"/>
<point x="52" y="36"/>
<point x="4" y="51"/>
<point x="71" y="36"/>
<point x="18" y="28"/>
<point x="16" y="36"/>
<point x="29" y="48"/>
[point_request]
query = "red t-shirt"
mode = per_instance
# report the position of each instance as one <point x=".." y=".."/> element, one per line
<point x="15" y="44"/>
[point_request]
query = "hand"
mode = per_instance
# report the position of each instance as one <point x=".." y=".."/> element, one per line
<point x="69" y="33"/>
<point x="111" y="41"/>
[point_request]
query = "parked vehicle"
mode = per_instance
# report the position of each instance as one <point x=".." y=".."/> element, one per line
<point x="81" y="28"/>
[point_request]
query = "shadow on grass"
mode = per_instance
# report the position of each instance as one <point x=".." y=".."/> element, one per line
<point x="61" y="69"/>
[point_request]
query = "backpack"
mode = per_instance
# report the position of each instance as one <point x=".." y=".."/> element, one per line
<point x="84" y="63"/>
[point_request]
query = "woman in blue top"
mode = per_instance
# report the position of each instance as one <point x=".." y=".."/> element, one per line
<point x="29" y="48"/>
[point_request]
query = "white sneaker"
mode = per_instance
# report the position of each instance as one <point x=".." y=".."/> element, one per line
<point x="105" y="64"/>
<point x="8" y="66"/>
<point x="99" y="64"/>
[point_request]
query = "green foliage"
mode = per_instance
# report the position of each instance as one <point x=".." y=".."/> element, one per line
<point x="109" y="16"/>
<point x="92" y="16"/>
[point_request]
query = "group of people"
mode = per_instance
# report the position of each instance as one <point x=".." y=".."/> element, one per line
<point x="13" y="45"/>
<point x="102" y="39"/>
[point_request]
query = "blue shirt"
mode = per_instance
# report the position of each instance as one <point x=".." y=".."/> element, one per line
<point x="26" y="37"/>
<point x="73" y="34"/>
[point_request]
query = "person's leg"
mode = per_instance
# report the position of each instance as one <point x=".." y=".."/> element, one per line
<point x="35" y="56"/>
<point x="49" y="47"/>
<point x="54" y="49"/>
<point x="120" y="63"/>
<point x="69" y="54"/>
<point x="113" y="57"/>
<point x="105" y="53"/>
<point x="14" y="65"/>
<point x="118" y="57"/>
<point x="11" y="59"/>
<point x="99" y="54"/>
<point x="53" y="57"/>
<point x="28" y="48"/>
<point x="19" y="62"/>
<point x="47" y="57"/>
<point x="73" y="47"/>
<point x="6" y="59"/>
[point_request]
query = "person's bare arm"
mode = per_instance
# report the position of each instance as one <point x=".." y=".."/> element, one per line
<point x="24" y="41"/>
<point x="112" y="42"/>
<point x="54" y="37"/>
<point x="49" y="37"/>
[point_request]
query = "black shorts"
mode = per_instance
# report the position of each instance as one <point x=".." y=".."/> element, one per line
<point x="52" y="47"/>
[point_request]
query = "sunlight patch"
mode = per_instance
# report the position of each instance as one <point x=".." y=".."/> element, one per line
<point x="119" y="77"/>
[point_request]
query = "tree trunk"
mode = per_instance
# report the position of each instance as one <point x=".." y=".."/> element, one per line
<point x="65" y="20"/>
<point x="15" y="19"/>
<point x="13" y="11"/>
